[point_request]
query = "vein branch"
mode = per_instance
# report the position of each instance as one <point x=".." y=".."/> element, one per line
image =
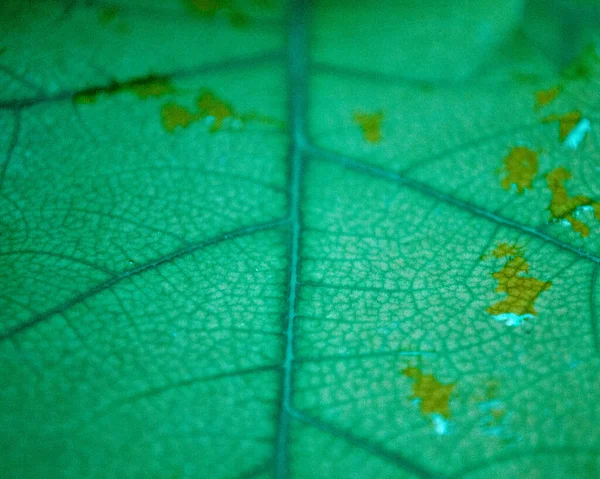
<point x="378" y="172"/>
<point x="151" y="265"/>
<point x="11" y="147"/>
<point x="373" y="448"/>
<point x="213" y="67"/>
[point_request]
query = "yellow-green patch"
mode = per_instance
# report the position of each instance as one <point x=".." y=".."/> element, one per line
<point x="520" y="166"/>
<point x="521" y="289"/>
<point x="565" y="207"/>
<point x="434" y="396"/>
<point x="370" y="124"/>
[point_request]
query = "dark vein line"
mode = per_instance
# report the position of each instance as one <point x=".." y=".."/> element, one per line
<point x="212" y="67"/>
<point x="375" y="171"/>
<point x="297" y="48"/>
<point x="11" y="147"/>
<point x="593" y="314"/>
<point x="157" y="391"/>
<point x="109" y="283"/>
<point x="19" y="78"/>
<point x="374" y="448"/>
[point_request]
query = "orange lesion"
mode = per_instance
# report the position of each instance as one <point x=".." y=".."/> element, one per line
<point x="522" y="291"/>
<point x="370" y="123"/>
<point x="434" y="396"/>
<point x="563" y="206"/>
<point x="210" y="106"/>
<point x="145" y="87"/>
<point x="174" y="116"/>
<point x="566" y="122"/>
<point x="544" y="97"/>
<point x="521" y="166"/>
<point x="213" y="110"/>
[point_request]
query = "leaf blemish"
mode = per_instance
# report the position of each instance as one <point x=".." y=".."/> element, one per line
<point x="433" y="397"/>
<point x="544" y="97"/>
<point x="145" y="87"/>
<point x="564" y="207"/>
<point x="522" y="290"/>
<point x="566" y="124"/>
<point x="521" y="166"/>
<point x="214" y="111"/>
<point x="494" y="414"/>
<point x="370" y="124"/>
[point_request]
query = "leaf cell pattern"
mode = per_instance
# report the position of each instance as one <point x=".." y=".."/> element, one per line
<point x="268" y="291"/>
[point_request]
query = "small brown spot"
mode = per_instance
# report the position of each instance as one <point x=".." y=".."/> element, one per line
<point x="521" y="166"/>
<point x="544" y="97"/>
<point x="434" y="396"/>
<point x="566" y="122"/>
<point x="211" y="106"/>
<point x="370" y="124"/>
<point x="174" y="115"/>
<point x="564" y="207"/>
<point x="144" y="87"/>
<point x="213" y="110"/>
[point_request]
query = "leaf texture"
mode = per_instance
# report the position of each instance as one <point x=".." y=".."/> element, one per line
<point x="253" y="239"/>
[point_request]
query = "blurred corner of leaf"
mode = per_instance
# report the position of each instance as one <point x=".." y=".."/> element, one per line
<point x="562" y="28"/>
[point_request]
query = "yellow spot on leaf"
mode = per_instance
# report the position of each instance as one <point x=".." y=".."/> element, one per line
<point x="370" y="124"/>
<point x="212" y="110"/>
<point x="506" y="249"/>
<point x="543" y="97"/>
<point x="209" y="106"/>
<point x="564" y="207"/>
<point x="149" y="86"/>
<point x="566" y="122"/>
<point x="522" y="290"/>
<point x="434" y="396"/>
<point x="174" y="115"/>
<point x="521" y="166"/>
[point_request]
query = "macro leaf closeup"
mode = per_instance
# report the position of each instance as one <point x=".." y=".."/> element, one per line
<point x="305" y="239"/>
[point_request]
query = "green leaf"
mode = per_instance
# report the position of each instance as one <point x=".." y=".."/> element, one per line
<point x="316" y="239"/>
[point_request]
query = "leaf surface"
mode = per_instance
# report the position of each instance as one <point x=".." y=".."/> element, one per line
<point x="248" y="239"/>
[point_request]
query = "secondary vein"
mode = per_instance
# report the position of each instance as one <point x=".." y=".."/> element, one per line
<point x="378" y="172"/>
